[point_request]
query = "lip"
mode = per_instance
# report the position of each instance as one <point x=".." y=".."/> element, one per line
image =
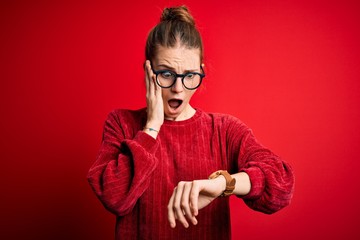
<point x="175" y="99"/>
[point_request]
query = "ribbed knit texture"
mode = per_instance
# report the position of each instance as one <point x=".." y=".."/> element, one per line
<point x="134" y="174"/>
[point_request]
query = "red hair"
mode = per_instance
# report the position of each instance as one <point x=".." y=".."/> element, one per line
<point x="176" y="26"/>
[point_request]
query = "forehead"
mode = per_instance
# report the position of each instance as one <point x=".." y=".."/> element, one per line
<point x="178" y="56"/>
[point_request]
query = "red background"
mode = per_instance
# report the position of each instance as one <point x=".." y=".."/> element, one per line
<point x="288" y="69"/>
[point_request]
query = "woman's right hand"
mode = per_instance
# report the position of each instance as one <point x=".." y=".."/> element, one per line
<point x="154" y="101"/>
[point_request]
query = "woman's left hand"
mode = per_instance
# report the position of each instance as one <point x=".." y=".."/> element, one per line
<point x="189" y="197"/>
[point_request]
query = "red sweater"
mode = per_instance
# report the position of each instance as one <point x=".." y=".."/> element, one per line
<point x="134" y="174"/>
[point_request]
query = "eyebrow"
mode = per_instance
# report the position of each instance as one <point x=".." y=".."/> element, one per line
<point x="173" y="69"/>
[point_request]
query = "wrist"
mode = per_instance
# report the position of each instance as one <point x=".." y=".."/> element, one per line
<point x="152" y="132"/>
<point x="220" y="181"/>
<point x="152" y="129"/>
<point x="229" y="181"/>
<point x="153" y="125"/>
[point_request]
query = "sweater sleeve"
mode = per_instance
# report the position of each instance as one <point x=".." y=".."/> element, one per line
<point x="122" y="170"/>
<point x="272" y="179"/>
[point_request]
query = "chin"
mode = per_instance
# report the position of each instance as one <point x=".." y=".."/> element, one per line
<point x="169" y="116"/>
<point x="173" y="114"/>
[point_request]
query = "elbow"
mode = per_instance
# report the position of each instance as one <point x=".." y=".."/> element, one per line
<point x="280" y="194"/>
<point x="117" y="205"/>
<point x="281" y="198"/>
<point x="271" y="190"/>
<point x="269" y="205"/>
<point x="272" y="199"/>
<point x="278" y="204"/>
<point x="119" y="209"/>
<point x="114" y="201"/>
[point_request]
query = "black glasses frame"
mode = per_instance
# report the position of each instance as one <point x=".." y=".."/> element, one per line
<point x="182" y="76"/>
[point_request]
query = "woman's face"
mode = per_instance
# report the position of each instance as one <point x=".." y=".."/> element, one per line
<point x="180" y="60"/>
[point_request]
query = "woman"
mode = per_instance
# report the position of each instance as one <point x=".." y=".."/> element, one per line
<point x="166" y="171"/>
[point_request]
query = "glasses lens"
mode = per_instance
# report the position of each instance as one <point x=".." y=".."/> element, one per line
<point x="192" y="80"/>
<point x="166" y="78"/>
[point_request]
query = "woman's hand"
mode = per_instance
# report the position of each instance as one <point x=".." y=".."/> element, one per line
<point x="189" y="197"/>
<point x="154" y="101"/>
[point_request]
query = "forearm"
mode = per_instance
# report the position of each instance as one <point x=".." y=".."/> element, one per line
<point x="270" y="190"/>
<point x="120" y="178"/>
<point x="191" y="196"/>
<point x="242" y="185"/>
<point x="154" y="102"/>
<point x="152" y="129"/>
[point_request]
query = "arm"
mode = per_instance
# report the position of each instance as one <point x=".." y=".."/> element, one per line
<point x="154" y="102"/>
<point x="191" y="196"/>
<point x="122" y="171"/>
<point x="263" y="180"/>
<point x="123" y="167"/>
<point x="272" y="179"/>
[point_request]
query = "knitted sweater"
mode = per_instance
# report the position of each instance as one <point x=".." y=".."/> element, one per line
<point x="134" y="174"/>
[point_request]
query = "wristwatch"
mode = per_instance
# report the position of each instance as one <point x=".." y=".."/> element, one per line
<point x="230" y="182"/>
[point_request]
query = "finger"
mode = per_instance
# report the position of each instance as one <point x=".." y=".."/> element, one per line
<point x="171" y="214"/>
<point x="194" y="196"/>
<point x="177" y="207"/>
<point x="185" y="203"/>
<point x="147" y="62"/>
<point x="157" y="88"/>
<point x="149" y="78"/>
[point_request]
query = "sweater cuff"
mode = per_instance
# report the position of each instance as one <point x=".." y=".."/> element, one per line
<point x="257" y="180"/>
<point x="146" y="141"/>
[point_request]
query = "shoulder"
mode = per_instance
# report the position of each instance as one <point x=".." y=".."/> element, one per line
<point x="225" y="120"/>
<point x="127" y="116"/>
<point x="230" y="127"/>
<point x="125" y="122"/>
<point x="128" y="113"/>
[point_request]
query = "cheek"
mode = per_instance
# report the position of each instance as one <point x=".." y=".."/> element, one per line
<point x="164" y="93"/>
<point x="189" y="94"/>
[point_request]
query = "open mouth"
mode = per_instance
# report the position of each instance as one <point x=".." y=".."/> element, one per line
<point x="175" y="103"/>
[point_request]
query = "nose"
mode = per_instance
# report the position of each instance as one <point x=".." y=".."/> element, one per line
<point x="178" y="86"/>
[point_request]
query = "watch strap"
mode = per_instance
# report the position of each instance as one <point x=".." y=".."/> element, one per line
<point x="230" y="181"/>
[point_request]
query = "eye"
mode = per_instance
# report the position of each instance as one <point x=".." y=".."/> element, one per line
<point x="167" y="74"/>
<point x="190" y="75"/>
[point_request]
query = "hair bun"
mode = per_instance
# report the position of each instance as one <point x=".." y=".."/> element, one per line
<point x="177" y="14"/>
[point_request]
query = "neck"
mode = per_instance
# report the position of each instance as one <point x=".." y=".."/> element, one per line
<point x="188" y="112"/>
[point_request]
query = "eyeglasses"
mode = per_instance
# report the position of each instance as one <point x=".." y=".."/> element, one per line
<point x="190" y="80"/>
